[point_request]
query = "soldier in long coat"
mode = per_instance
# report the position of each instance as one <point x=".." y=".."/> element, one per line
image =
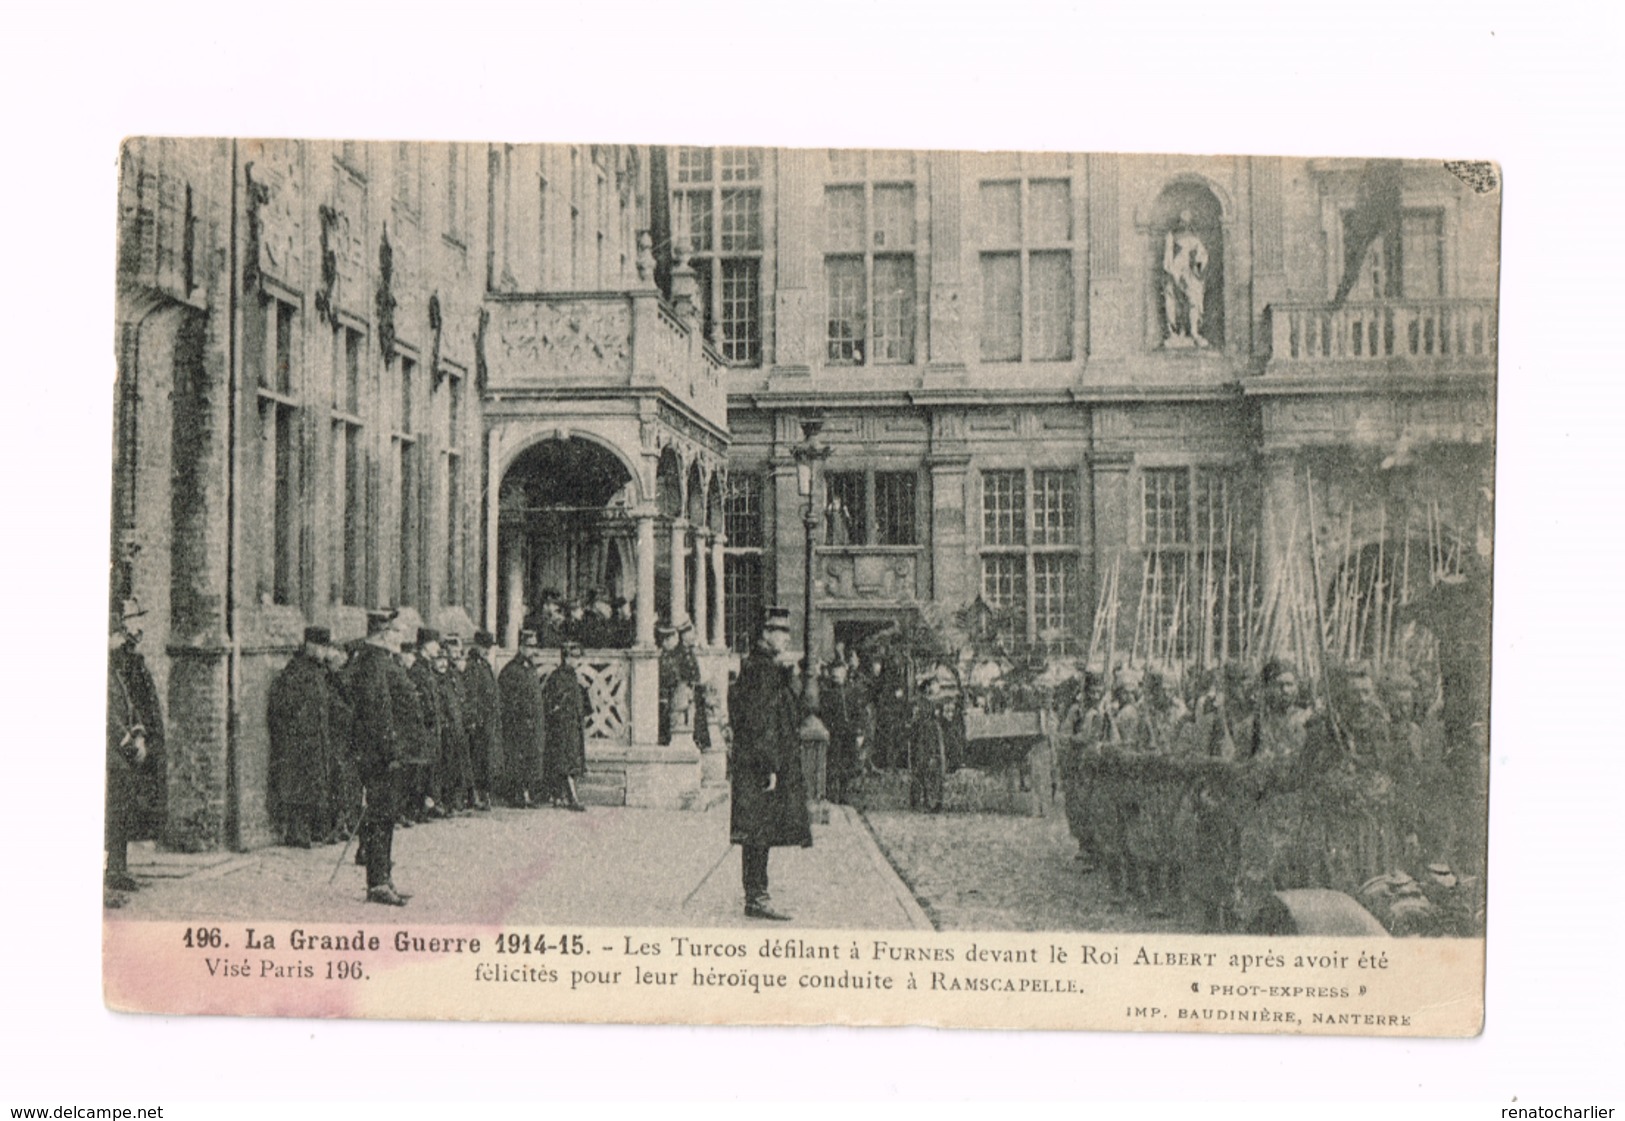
<point x="425" y="762"/>
<point x="343" y="779"/>
<point x="524" y="733"/>
<point x="769" y="791"/>
<point x="564" y="711"/>
<point x="298" y="716"/>
<point x="483" y="715"/>
<point x="135" y="724"/>
<point x="455" y="779"/>
<point x="376" y="683"/>
<point x="417" y="726"/>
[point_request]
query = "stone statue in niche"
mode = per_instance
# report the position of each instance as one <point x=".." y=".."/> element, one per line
<point x="1184" y="283"/>
<point x="646" y="257"/>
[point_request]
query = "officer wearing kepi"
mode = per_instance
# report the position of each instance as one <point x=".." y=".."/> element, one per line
<point x="376" y="742"/>
<point x="769" y="792"/>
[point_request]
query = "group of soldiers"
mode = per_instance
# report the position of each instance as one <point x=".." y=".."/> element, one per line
<point x="1222" y="787"/>
<point x="595" y="621"/>
<point x="387" y="733"/>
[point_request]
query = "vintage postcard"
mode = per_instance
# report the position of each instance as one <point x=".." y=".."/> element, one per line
<point x="666" y="584"/>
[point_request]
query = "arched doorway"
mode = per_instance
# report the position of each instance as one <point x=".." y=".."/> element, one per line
<point x="565" y="527"/>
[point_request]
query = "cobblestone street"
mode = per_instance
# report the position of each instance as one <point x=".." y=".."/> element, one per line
<point x="974" y="871"/>
<point x="609" y="866"/>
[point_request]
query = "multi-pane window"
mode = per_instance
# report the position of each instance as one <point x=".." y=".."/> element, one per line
<point x="348" y="471"/>
<point x="1026" y="261"/>
<point x="1411" y="269"/>
<point x="717" y="208"/>
<point x="870" y="508"/>
<point x="742" y="510"/>
<point x="1187" y="520"/>
<point x="869" y="265"/>
<point x="1030" y="554"/>
<point x="407" y="487"/>
<point x="742" y="561"/>
<point x="271" y="352"/>
<point x="450" y="389"/>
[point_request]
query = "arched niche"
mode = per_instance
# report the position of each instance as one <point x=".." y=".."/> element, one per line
<point x="564" y="526"/>
<point x="1188" y="267"/>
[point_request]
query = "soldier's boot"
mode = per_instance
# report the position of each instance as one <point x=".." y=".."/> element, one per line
<point x="760" y="907"/>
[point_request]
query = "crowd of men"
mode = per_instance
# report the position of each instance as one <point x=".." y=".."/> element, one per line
<point x="595" y="621"/>
<point x="390" y="733"/>
<point x="1215" y="789"/>
<point x="135" y="758"/>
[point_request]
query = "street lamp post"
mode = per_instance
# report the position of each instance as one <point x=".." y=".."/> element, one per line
<point x="814" y="735"/>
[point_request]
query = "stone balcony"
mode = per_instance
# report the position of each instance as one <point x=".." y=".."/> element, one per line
<point x="584" y="341"/>
<point x="1388" y="337"/>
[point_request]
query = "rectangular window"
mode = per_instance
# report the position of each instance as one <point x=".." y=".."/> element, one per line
<point x="1004" y="588"/>
<point x="740" y="164"/>
<point x="742" y="511"/>
<point x="894" y="310"/>
<point x="347" y="472"/>
<point x="1422" y="254"/>
<point x="279" y="435"/>
<point x="1027" y="287"/>
<point x="1030" y="554"/>
<point x="453" y="592"/>
<point x="726" y="233"/>
<point x="1167" y="507"/>
<point x="349" y="488"/>
<point x="869" y="235"/>
<point x="270" y="347"/>
<point x="844" y="218"/>
<point x="1001" y="214"/>
<point x="846" y="508"/>
<point x="895" y="493"/>
<point x="1055" y="577"/>
<point x="741" y="296"/>
<point x="1001" y="307"/>
<point x="1004" y="508"/>
<point x="1186" y="520"/>
<point x="844" y="281"/>
<point x="693" y="165"/>
<point x="1055" y="507"/>
<point x="894" y="218"/>
<point x="1051" y="303"/>
<point x="742" y="575"/>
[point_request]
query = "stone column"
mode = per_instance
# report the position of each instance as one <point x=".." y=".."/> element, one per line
<point x="679" y="572"/>
<point x="702" y="629"/>
<point x="645" y="620"/>
<point x="719" y="621"/>
<point x="513" y="575"/>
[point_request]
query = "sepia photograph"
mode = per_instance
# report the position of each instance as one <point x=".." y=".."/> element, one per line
<point x="541" y="538"/>
<point x="756" y="559"/>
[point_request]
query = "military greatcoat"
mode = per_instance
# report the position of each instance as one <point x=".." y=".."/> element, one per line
<point x="484" y="718"/>
<point x="298" y="715"/>
<point x="524" y="733"/>
<point x="564" y="708"/>
<point x="766" y="718"/>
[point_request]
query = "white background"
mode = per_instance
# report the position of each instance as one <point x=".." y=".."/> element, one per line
<point x="1534" y="86"/>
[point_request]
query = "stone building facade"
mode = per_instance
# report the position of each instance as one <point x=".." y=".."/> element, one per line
<point x="1020" y="409"/>
<point x="447" y="377"/>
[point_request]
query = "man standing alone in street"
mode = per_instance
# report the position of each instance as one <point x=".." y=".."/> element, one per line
<point x="769" y="792"/>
